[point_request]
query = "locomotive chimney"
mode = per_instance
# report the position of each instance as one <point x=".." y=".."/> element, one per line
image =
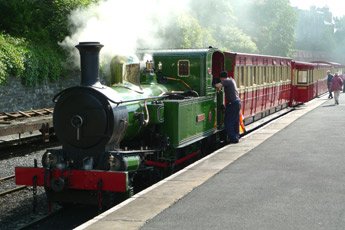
<point x="89" y="62"/>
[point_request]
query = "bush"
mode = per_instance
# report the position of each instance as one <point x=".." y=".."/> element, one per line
<point x="31" y="62"/>
<point x="12" y="57"/>
<point x="29" y="33"/>
<point x="42" y="63"/>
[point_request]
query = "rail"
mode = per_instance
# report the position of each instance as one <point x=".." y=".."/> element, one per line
<point x="11" y="190"/>
<point x="6" y="117"/>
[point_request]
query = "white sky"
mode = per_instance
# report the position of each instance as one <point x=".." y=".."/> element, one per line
<point x="337" y="7"/>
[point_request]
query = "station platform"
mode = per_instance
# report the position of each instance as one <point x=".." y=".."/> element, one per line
<point x="287" y="175"/>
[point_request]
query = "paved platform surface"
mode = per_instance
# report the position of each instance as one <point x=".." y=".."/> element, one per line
<point x="288" y="175"/>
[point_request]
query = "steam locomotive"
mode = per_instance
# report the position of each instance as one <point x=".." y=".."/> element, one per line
<point x="153" y="120"/>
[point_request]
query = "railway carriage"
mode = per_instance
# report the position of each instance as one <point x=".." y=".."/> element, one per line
<point x="334" y="66"/>
<point x="263" y="81"/>
<point x="303" y="88"/>
<point x="309" y="80"/>
<point x="320" y="78"/>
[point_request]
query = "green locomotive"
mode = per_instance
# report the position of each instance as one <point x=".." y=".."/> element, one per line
<point x="147" y="124"/>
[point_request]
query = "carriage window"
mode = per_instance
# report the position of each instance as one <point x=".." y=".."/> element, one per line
<point x="269" y="74"/>
<point x="249" y="76"/>
<point x="258" y="75"/>
<point x="237" y="75"/>
<point x="255" y="78"/>
<point x="302" y="77"/>
<point x="183" y="68"/>
<point x="265" y="77"/>
<point x="242" y="74"/>
<point x="274" y="74"/>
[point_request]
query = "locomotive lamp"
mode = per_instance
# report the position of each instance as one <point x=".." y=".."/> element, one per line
<point x="53" y="160"/>
<point x="88" y="163"/>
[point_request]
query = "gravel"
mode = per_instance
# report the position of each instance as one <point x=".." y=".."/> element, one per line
<point x="20" y="204"/>
<point x="7" y="165"/>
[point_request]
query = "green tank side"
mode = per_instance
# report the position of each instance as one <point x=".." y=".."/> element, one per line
<point x="187" y="121"/>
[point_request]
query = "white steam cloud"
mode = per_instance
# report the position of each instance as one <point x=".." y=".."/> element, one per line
<point x="119" y="25"/>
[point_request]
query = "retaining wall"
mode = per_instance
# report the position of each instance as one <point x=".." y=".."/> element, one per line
<point x="14" y="96"/>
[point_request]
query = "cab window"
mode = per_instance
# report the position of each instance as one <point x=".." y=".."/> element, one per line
<point x="183" y="68"/>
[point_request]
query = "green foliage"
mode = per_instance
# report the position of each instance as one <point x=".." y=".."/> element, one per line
<point x="34" y="27"/>
<point x="272" y="25"/>
<point x="315" y="30"/>
<point x="37" y="19"/>
<point x="184" y="31"/>
<point x="42" y="63"/>
<point x="12" y="57"/>
<point x="218" y="20"/>
<point x="58" y="24"/>
<point x="212" y="13"/>
<point x="340" y="39"/>
<point x="233" y="39"/>
<point x="32" y="63"/>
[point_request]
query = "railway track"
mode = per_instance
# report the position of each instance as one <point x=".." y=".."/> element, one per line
<point x="6" y="191"/>
<point x="19" y="125"/>
<point x="25" y="130"/>
<point x="6" y="118"/>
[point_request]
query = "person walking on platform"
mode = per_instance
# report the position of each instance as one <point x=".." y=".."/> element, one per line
<point x="329" y="84"/>
<point x="337" y="84"/>
<point x="233" y="106"/>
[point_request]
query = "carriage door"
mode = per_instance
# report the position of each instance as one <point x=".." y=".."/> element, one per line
<point x="217" y="68"/>
<point x="217" y="64"/>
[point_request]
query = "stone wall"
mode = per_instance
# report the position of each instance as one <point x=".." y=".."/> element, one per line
<point x="14" y="96"/>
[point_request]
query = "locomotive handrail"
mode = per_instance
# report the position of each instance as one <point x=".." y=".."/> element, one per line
<point x="180" y="80"/>
<point x="140" y="99"/>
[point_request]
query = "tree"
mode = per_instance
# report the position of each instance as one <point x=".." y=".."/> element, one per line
<point x="271" y="26"/>
<point x="339" y="50"/>
<point x="29" y="35"/>
<point x="217" y="17"/>
<point x="184" y="31"/>
<point x="315" y="30"/>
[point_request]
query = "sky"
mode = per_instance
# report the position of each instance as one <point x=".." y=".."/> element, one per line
<point x="337" y="7"/>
